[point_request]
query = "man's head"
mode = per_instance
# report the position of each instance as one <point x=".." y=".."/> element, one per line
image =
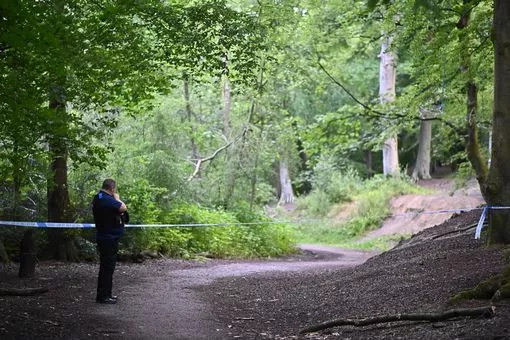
<point x="109" y="185"/>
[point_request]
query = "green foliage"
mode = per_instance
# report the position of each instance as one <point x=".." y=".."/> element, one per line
<point x="331" y="185"/>
<point x="227" y="239"/>
<point x="316" y="203"/>
<point x="371" y="208"/>
<point x="118" y="71"/>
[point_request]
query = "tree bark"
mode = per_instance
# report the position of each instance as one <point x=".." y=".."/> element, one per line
<point x="189" y="114"/>
<point x="472" y="146"/>
<point x="27" y="256"/>
<point x="287" y="194"/>
<point x="227" y="102"/>
<point x="422" y="167"/>
<point x="230" y="158"/>
<point x="4" y="257"/>
<point x="60" y="244"/>
<point x="387" y="79"/>
<point x="497" y="188"/>
<point x="369" y="163"/>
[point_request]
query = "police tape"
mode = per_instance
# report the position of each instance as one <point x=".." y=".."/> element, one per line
<point x="478" y="231"/>
<point x="183" y="225"/>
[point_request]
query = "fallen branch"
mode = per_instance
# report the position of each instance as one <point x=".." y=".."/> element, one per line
<point x="488" y="311"/>
<point x="471" y="226"/>
<point x="23" y="291"/>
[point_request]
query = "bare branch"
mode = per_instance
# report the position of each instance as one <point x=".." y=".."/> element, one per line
<point x="379" y="114"/>
<point x="200" y="161"/>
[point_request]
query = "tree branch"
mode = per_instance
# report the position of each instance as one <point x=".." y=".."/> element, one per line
<point x="365" y="106"/>
<point x="22" y="292"/>
<point x="487" y="311"/>
<point x="379" y="114"/>
<point x="200" y="161"/>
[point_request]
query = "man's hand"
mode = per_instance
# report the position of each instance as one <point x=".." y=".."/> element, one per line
<point x="122" y="206"/>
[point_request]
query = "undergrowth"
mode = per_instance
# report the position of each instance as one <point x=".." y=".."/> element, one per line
<point x="371" y="199"/>
<point x="227" y="240"/>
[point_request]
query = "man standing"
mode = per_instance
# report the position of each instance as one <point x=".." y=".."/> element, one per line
<point x="108" y="212"/>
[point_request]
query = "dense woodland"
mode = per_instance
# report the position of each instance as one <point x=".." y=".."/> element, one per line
<point x="214" y="111"/>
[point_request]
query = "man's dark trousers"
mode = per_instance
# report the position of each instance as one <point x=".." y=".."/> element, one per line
<point x="108" y="257"/>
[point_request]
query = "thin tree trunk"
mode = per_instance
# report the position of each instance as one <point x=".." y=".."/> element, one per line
<point x="422" y="167"/>
<point x="227" y="107"/>
<point x="230" y="157"/>
<point x="254" y="177"/>
<point x="387" y="79"/>
<point x="498" y="184"/>
<point x="369" y="163"/>
<point x="189" y="114"/>
<point x="287" y="194"/>
<point x="472" y="145"/>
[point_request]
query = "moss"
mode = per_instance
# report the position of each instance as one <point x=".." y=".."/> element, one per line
<point x="495" y="288"/>
<point x="504" y="291"/>
<point x="485" y="290"/>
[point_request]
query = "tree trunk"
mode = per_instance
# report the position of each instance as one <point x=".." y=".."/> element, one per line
<point x="387" y="79"/>
<point x="498" y="183"/>
<point x="472" y="146"/>
<point x="422" y="167"/>
<point x="4" y="257"/>
<point x="227" y="100"/>
<point x="369" y="163"/>
<point x="287" y="194"/>
<point x="60" y="244"/>
<point x="27" y="256"/>
<point x="306" y="185"/>
<point x="230" y="157"/>
<point x="189" y="113"/>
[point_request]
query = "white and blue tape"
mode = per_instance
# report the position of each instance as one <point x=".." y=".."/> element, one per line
<point x="478" y="231"/>
<point x="91" y="225"/>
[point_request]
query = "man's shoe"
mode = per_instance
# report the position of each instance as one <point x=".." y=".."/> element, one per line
<point x="108" y="301"/>
<point x="114" y="297"/>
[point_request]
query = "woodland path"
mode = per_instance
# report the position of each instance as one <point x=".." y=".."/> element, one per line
<point x="169" y="307"/>
<point x="159" y="299"/>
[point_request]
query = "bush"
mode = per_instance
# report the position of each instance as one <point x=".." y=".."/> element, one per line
<point x="224" y="239"/>
<point x="316" y="203"/>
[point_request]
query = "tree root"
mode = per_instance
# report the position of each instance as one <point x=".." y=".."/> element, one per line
<point x="23" y="292"/>
<point x="487" y="311"/>
<point x="494" y="288"/>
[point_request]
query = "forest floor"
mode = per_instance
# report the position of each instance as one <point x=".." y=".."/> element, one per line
<point x="267" y="299"/>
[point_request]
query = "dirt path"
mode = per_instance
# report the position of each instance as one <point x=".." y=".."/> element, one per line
<point x="170" y="307"/>
<point x="161" y="299"/>
<point x="410" y="213"/>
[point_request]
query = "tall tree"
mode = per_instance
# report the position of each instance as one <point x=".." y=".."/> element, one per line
<point x="496" y="185"/>
<point x="387" y="83"/>
<point x="422" y="167"/>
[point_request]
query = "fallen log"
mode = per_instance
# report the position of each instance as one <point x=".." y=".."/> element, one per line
<point x="22" y="291"/>
<point x="487" y="311"/>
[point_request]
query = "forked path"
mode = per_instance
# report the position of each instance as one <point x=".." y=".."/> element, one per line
<point x="167" y="306"/>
